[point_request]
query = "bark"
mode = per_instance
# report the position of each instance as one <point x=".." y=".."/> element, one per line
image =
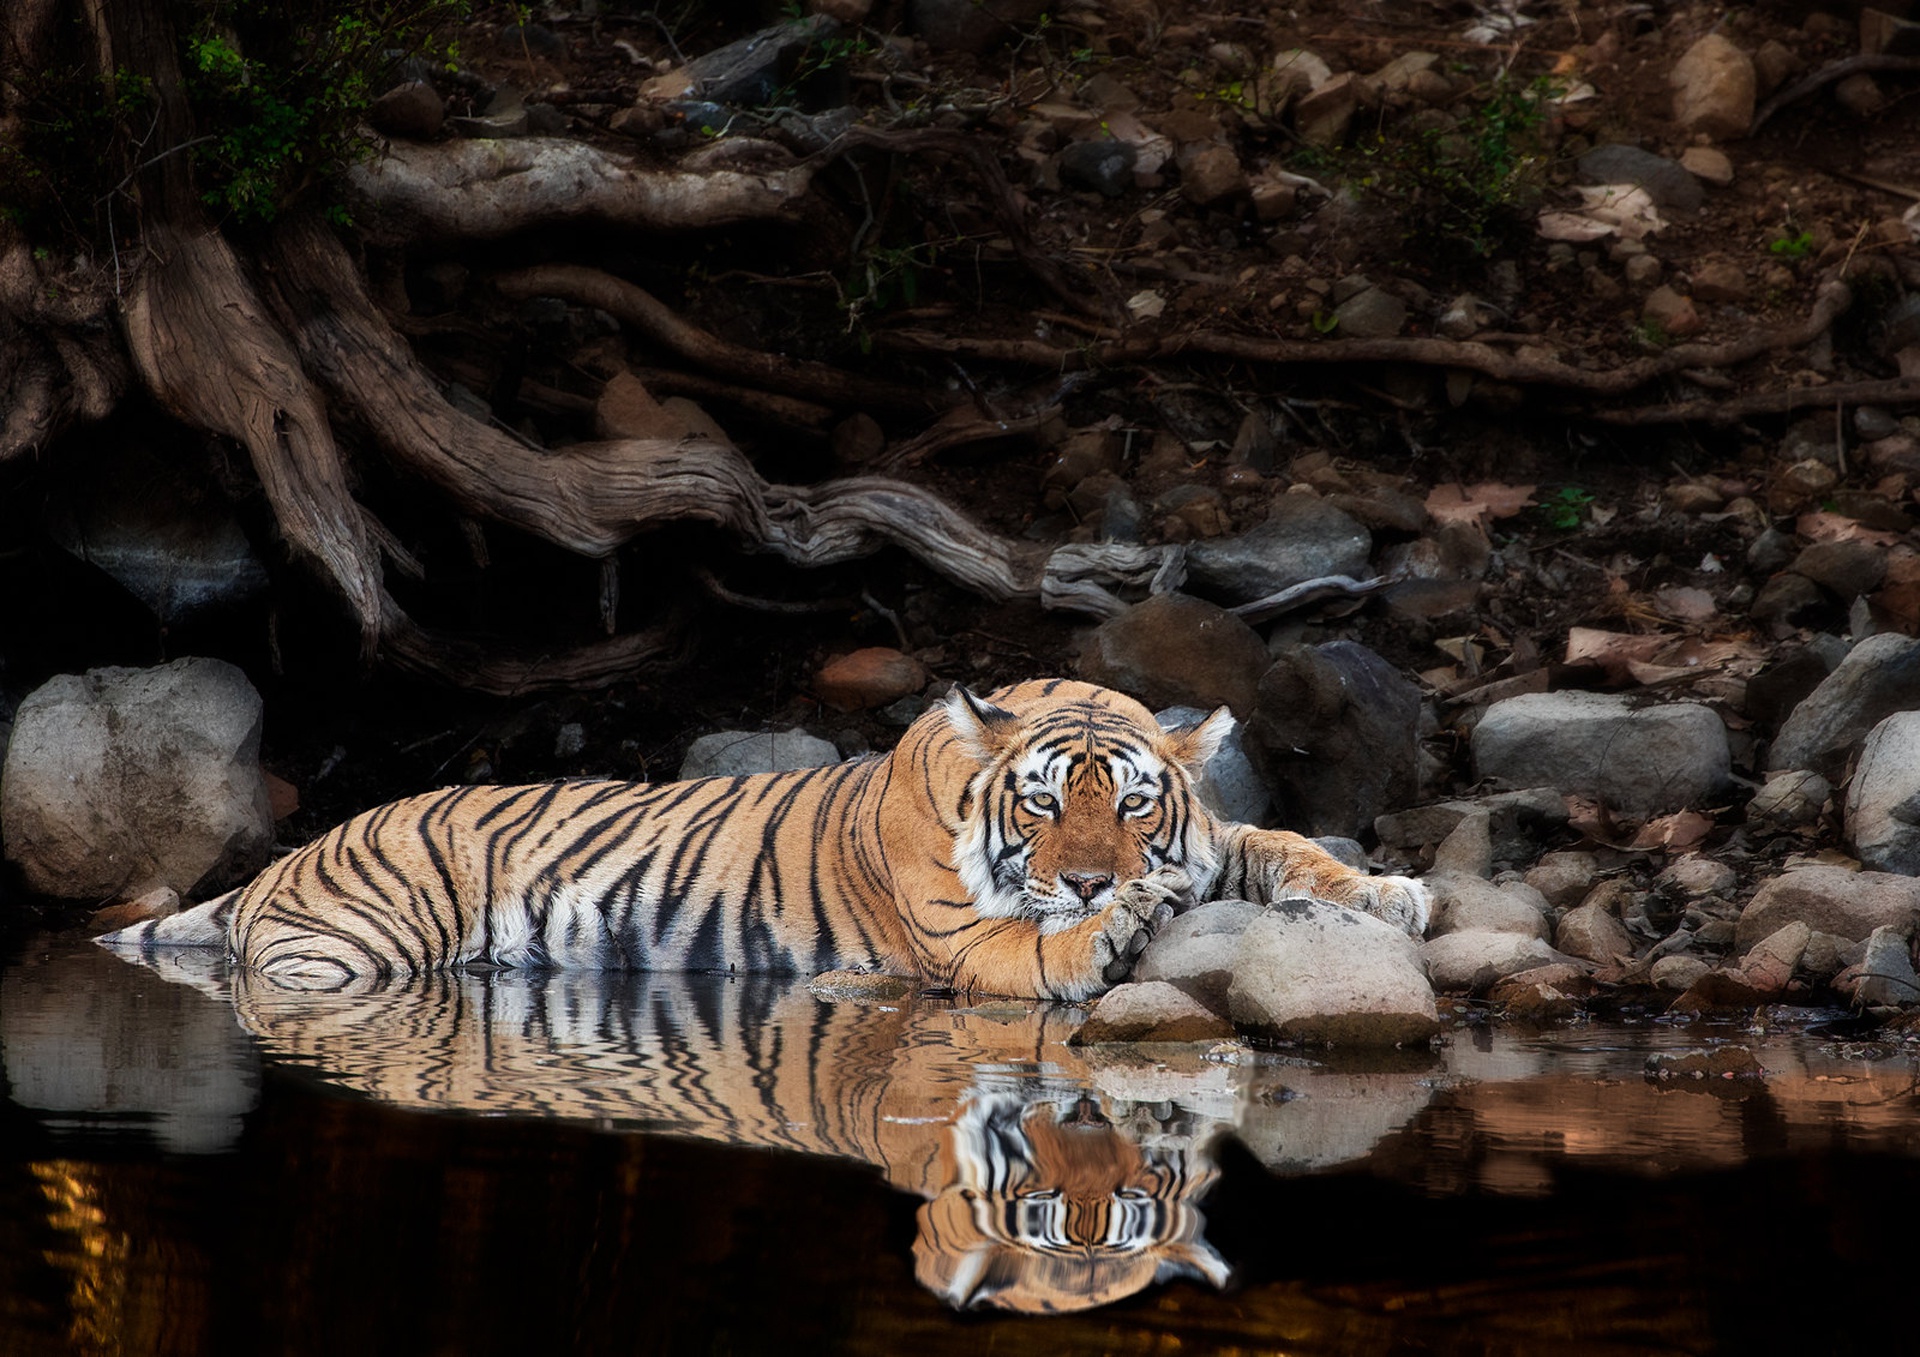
<point x="482" y="190"/>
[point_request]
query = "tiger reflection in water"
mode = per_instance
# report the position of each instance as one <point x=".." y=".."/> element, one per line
<point x="1040" y="1195"/>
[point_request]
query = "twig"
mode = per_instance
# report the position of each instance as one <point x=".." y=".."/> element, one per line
<point x="1307" y="592"/>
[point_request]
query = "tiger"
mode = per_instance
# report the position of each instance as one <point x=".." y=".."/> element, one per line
<point x="1027" y="843"/>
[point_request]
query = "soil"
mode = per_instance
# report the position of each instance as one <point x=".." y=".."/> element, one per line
<point x="894" y="246"/>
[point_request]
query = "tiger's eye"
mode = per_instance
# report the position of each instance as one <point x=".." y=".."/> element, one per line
<point x="1133" y="801"/>
<point x="1041" y="801"/>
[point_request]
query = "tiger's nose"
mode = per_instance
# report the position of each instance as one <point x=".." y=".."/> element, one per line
<point x="1087" y="884"/>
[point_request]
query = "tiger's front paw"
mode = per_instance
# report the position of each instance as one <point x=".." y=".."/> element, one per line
<point x="1401" y="901"/>
<point x="1141" y="908"/>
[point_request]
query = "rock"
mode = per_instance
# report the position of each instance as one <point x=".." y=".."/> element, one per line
<point x="1321" y="117"/>
<point x="868" y="678"/>
<point x="413" y="111"/>
<point x="1678" y="973"/>
<point x="1518" y="823"/>
<point x="1696" y="876"/>
<point x="1788" y="602"/>
<point x="857" y="439"/>
<point x="1174" y="650"/>
<point x="1228" y="786"/>
<point x="1643" y="270"/>
<point x="1198" y="949"/>
<point x="968" y="25"/>
<point x="1467" y="904"/>
<point x="1563" y="879"/>
<point x="1829" y="900"/>
<point x="1883" y="803"/>
<point x="1879" y="677"/>
<point x="1672" y="313"/>
<point x="504" y="116"/>
<point x="1788" y="799"/>
<point x="1825" y="955"/>
<point x="1303" y="538"/>
<point x="1776" y="690"/>
<point x="1774" y="63"/>
<point x="1718" y="988"/>
<point x="1666" y="182"/>
<point x="1468" y="849"/>
<point x="1713" y="84"/>
<point x="1209" y="173"/>
<point x="1708" y="165"/>
<point x="1105" y="166"/>
<point x="1848" y="569"/>
<point x="842" y="11"/>
<point x="1642" y="761"/>
<point x="1372" y="314"/>
<point x="1769" y="963"/>
<point x="1150" y="1010"/>
<point x="1471" y="961"/>
<point x="1335" y="729"/>
<point x="1887" y="969"/>
<point x="1860" y="94"/>
<point x="740" y="753"/>
<point x="836" y="986"/>
<point x="1311" y="971"/>
<point x="1592" y="934"/>
<point x="1553" y="991"/>
<point x="626" y="409"/>
<point x="121" y="780"/>
<point x="1719" y="280"/>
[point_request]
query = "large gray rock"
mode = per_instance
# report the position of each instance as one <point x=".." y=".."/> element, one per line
<point x="1174" y="650"/>
<point x="1198" y="950"/>
<point x="740" y="753"/>
<point x="1640" y="761"/>
<point x="121" y="780"/>
<point x="1303" y="538"/>
<point x="1592" y="934"/>
<point x="1311" y="971"/>
<point x="1883" y="805"/>
<point x="1229" y="785"/>
<point x="1829" y="900"/>
<point x="1879" y="677"/>
<point x="1335" y="730"/>
<point x="1471" y="961"/>
<point x="1887" y="969"/>
<point x="1463" y="904"/>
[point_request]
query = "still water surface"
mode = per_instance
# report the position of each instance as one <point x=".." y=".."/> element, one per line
<point x="612" y="1163"/>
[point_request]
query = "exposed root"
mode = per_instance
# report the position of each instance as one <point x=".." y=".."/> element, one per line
<point x="1828" y="75"/>
<point x="481" y="190"/>
<point x="1894" y="391"/>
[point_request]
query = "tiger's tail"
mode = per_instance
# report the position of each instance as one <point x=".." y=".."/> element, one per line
<point x="205" y="925"/>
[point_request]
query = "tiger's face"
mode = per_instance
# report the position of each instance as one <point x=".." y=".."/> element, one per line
<point x="1073" y="802"/>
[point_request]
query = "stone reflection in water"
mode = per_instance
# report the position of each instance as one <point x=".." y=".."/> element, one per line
<point x="1055" y="1178"/>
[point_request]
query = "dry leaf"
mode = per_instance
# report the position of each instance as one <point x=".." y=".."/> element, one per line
<point x="1477" y="504"/>
<point x="1685" y="604"/>
<point x="1821" y="525"/>
<point x="1675" y="833"/>
<point x="1612" y="651"/>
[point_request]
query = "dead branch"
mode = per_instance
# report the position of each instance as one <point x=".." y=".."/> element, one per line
<point x="484" y="189"/>
<point x="1827" y="75"/>
<point x="1830" y="302"/>
<point x="796" y="414"/>
<point x="959" y="427"/>
<point x="663" y="326"/>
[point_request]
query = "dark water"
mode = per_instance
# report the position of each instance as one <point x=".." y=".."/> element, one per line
<point x="696" y="1165"/>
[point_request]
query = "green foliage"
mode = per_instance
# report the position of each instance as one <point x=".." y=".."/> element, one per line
<point x="59" y="174"/>
<point x="1565" y="509"/>
<point x="284" y="87"/>
<point x="1463" y="194"/>
<point x="1797" y="246"/>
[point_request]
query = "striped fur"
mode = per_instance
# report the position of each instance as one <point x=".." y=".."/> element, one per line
<point x="1025" y="844"/>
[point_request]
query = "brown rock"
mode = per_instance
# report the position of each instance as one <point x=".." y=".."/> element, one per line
<point x="1713" y="88"/>
<point x="1708" y="165"/>
<point x="1210" y="174"/>
<point x="413" y="110"/>
<point x="1719" y="280"/>
<point x="1848" y="569"/>
<point x="1150" y="1010"/>
<point x="1321" y="117"/>
<point x="1673" y="313"/>
<point x="1592" y="934"/>
<point x="1177" y="651"/>
<point x="868" y="678"/>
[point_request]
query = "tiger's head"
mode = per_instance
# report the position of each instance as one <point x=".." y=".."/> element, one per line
<point x="1047" y="1207"/>
<point x="1077" y="794"/>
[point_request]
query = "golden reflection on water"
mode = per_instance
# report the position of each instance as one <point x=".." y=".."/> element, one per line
<point x="94" y="1257"/>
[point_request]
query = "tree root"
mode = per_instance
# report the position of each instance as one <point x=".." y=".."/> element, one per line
<point x="482" y="190"/>
<point x="1827" y="75"/>
<point x="660" y="324"/>
<point x="1830" y="302"/>
<point x="1892" y="391"/>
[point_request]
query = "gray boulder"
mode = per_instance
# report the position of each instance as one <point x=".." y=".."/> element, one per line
<point x="1829" y="900"/>
<point x="1311" y="971"/>
<point x="1303" y="538"/>
<point x="1879" y="677"/>
<point x="1229" y="786"/>
<point x="1472" y="960"/>
<point x="1464" y="904"/>
<point x="1150" y="1010"/>
<point x="1198" y="950"/>
<point x="1335" y="730"/>
<point x="1592" y="934"/>
<point x="1639" y="760"/>
<point x="121" y="780"/>
<point x="1887" y="974"/>
<point x="1883" y="805"/>
<point x="739" y="753"/>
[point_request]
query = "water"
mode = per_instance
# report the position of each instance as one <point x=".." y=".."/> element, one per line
<point x="195" y="1163"/>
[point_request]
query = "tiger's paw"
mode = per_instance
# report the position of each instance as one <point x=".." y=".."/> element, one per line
<point x="1399" y="900"/>
<point x="1140" y="909"/>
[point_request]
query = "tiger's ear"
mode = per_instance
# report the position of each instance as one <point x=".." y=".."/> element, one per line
<point x="984" y="730"/>
<point x="1192" y="746"/>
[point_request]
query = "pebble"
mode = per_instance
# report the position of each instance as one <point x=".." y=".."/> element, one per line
<point x="1210" y="173"/>
<point x="1371" y="314"/>
<point x="739" y="753"/>
<point x="1471" y="961"/>
<point x="1846" y="568"/>
<point x="1708" y="164"/>
<point x="1591" y="933"/>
